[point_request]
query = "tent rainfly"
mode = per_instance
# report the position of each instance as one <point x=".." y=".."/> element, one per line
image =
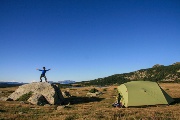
<point x="141" y="93"/>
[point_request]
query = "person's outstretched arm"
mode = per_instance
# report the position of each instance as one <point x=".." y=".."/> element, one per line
<point x="39" y="69"/>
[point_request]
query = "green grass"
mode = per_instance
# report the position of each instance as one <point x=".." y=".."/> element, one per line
<point x="25" y="97"/>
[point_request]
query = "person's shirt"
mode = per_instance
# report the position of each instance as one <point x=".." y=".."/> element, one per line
<point x="44" y="71"/>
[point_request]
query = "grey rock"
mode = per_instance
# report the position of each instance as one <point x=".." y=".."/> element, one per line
<point x="47" y="105"/>
<point x="22" y="102"/>
<point x="37" y="99"/>
<point x="50" y="92"/>
<point x="60" y="107"/>
<point x="93" y="94"/>
<point x="20" y="113"/>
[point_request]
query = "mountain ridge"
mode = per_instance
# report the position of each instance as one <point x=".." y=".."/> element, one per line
<point x="158" y="73"/>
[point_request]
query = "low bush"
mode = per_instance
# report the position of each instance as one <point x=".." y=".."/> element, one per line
<point x="93" y="90"/>
<point x="25" y="97"/>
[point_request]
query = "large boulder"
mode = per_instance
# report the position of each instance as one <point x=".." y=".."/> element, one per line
<point x="50" y="92"/>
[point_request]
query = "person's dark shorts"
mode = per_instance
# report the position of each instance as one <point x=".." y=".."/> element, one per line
<point x="43" y="75"/>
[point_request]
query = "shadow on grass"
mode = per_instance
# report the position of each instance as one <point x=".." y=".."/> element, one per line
<point x="2" y="111"/>
<point x="177" y="101"/>
<point x="80" y="100"/>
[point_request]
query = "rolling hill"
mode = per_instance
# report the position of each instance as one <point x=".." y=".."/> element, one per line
<point x="158" y="73"/>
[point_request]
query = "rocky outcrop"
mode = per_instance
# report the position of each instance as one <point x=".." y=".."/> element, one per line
<point x="157" y="65"/>
<point x="42" y="91"/>
<point x="176" y="63"/>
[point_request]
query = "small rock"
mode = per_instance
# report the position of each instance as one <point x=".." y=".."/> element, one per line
<point x="60" y="107"/>
<point x="20" y="113"/>
<point x="91" y="94"/>
<point x="22" y="102"/>
<point x="47" y="105"/>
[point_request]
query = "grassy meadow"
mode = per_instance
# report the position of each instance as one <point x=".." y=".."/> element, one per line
<point x="82" y="107"/>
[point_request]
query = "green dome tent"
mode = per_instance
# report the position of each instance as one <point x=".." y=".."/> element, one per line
<point x="140" y="93"/>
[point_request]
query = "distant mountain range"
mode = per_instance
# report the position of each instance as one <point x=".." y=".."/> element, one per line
<point x="10" y="84"/>
<point x="64" y="82"/>
<point x="158" y="73"/>
<point x="1" y="82"/>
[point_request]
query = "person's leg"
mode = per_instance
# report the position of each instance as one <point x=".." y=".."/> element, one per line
<point x="41" y="78"/>
<point x="45" y="78"/>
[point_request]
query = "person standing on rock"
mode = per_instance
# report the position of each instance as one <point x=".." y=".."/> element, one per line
<point x="43" y="73"/>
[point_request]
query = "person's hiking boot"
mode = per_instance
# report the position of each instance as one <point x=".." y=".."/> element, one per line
<point x="41" y="81"/>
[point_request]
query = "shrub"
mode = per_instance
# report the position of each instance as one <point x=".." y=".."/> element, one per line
<point x="93" y="90"/>
<point x="105" y="89"/>
<point x="25" y="97"/>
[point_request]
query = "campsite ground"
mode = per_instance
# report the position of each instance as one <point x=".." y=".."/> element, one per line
<point x="90" y="108"/>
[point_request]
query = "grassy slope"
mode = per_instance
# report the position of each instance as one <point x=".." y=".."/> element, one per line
<point x="82" y="107"/>
<point x="169" y="73"/>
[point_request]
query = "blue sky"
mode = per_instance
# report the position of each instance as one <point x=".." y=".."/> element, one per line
<point x="86" y="39"/>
